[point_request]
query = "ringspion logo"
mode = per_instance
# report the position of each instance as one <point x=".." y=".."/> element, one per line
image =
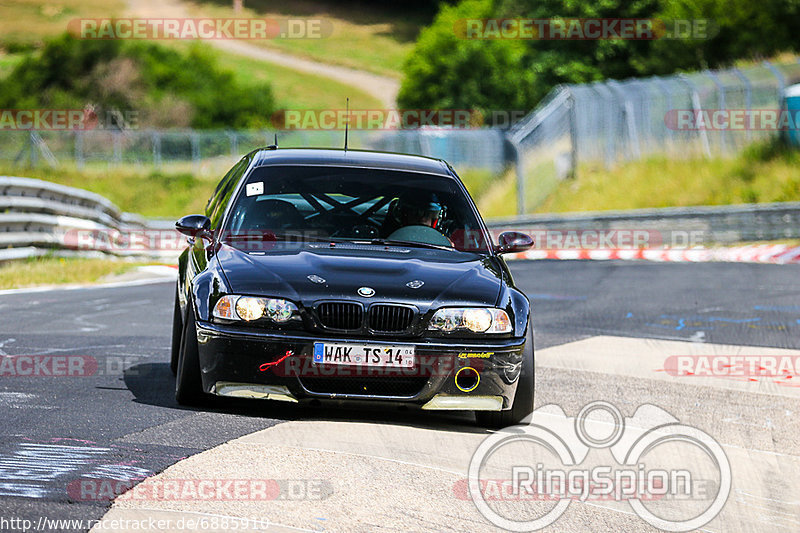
<point x="674" y="476"/>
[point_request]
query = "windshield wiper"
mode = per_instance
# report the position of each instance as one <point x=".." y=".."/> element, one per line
<point x="281" y="237"/>
<point x="255" y="237"/>
<point x="412" y="244"/>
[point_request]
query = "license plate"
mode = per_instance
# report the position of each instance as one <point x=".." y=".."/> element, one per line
<point x="364" y="355"/>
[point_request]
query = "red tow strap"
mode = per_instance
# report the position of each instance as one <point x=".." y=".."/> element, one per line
<point x="267" y="366"/>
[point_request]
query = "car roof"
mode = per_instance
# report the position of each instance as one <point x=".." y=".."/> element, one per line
<point x="349" y="158"/>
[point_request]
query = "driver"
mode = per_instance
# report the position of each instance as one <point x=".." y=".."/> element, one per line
<point x="414" y="209"/>
<point x="419" y="217"/>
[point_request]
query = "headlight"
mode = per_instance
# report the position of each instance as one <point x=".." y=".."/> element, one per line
<point x="231" y="307"/>
<point x="475" y="319"/>
<point x="249" y="308"/>
<point x="280" y="310"/>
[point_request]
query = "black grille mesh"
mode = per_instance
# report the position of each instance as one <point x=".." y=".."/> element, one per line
<point x="340" y="315"/>
<point x="390" y="318"/>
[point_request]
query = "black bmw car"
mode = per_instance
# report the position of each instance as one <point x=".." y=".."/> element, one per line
<point x="350" y="276"/>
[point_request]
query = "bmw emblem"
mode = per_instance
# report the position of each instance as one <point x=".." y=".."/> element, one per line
<point x="366" y="292"/>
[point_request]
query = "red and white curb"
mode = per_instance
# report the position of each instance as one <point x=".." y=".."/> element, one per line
<point x="780" y="254"/>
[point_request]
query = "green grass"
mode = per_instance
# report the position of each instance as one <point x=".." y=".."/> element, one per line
<point x="477" y="181"/>
<point x="148" y="193"/>
<point x="500" y="199"/>
<point x="763" y="173"/>
<point x="174" y="191"/>
<point x="370" y="36"/>
<point x="49" y="270"/>
<point x="31" y="21"/>
<point x="8" y="62"/>
<point x="294" y="89"/>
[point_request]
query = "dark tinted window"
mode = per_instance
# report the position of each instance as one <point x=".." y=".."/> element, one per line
<point x="225" y="189"/>
<point x="356" y="204"/>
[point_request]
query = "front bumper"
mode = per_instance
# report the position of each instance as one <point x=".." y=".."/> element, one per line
<point x="235" y="361"/>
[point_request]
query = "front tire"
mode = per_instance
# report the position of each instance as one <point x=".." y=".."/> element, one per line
<point x="188" y="384"/>
<point x="177" y="334"/>
<point x="522" y="407"/>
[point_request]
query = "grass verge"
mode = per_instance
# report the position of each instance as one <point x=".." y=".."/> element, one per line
<point x="31" y="21"/>
<point x="171" y="193"/>
<point x="294" y="89"/>
<point x="375" y="37"/>
<point x="150" y="194"/>
<point x="762" y="173"/>
<point x="49" y="270"/>
<point x="25" y="24"/>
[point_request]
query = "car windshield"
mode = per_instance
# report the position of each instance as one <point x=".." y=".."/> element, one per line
<point x="315" y="204"/>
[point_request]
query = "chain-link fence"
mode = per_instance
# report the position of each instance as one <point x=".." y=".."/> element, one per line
<point x="601" y="123"/>
<point x="210" y="152"/>
<point x="700" y="114"/>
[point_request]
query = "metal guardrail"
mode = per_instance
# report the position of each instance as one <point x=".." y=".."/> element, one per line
<point x="711" y="224"/>
<point x="39" y="217"/>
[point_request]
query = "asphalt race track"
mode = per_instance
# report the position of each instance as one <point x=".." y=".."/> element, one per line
<point x="112" y="414"/>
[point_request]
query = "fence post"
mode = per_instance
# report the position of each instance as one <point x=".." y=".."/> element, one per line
<point x="697" y="109"/>
<point x="519" y="170"/>
<point x="778" y="76"/>
<point x="117" y="147"/>
<point x="573" y="135"/>
<point x="630" y="119"/>
<point x="195" y="152"/>
<point x="156" y="149"/>
<point x="722" y="103"/>
<point x="748" y="96"/>
<point x="607" y="95"/>
<point x="664" y="88"/>
<point x="234" y="143"/>
<point x="642" y="92"/>
<point x="79" y="155"/>
<point x="32" y="143"/>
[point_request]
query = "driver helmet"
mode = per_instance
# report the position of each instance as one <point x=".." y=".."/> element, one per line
<point x="415" y="208"/>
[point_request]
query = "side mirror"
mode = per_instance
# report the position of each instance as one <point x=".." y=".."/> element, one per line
<point x="513" y="241"/>
<point x="194" y="225"/>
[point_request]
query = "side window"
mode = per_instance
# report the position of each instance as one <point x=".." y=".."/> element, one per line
<point x="225" y="190"/>
<point x="214" y="199"/>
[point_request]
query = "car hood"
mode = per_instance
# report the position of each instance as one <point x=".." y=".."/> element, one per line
<point x="449" y="278"/>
